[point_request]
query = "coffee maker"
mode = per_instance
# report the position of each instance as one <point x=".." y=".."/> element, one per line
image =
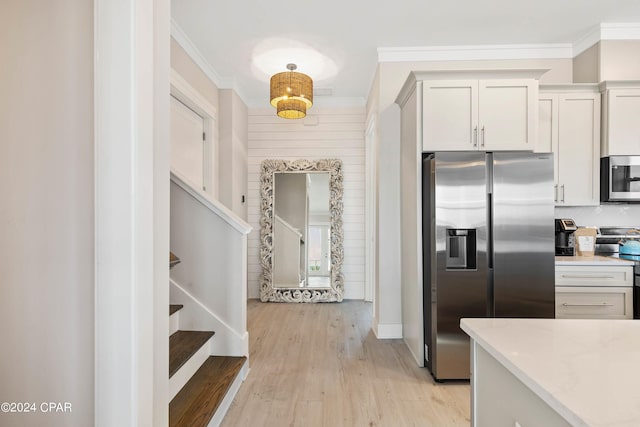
<point x="565" y="240"/>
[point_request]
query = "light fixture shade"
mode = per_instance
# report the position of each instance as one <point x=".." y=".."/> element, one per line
<point x="291" y="93"/>
<point x="291" y="109"/>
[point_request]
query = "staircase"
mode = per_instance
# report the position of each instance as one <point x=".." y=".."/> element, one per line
<point x="201" y="386"/>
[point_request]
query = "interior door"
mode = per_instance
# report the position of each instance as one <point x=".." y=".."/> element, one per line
<point x="187" y="144"/>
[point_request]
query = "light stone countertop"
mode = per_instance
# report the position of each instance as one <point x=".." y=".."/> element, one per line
<point x="591" y="260"/>
<point x="588" y="371"/>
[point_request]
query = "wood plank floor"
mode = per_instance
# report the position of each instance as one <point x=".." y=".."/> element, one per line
<point x="321" y="365"/>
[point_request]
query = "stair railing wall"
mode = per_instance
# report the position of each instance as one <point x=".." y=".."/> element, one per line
<point x="211" y="242"/>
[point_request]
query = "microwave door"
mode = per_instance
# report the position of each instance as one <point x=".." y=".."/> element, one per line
<point x="624" y="179"/>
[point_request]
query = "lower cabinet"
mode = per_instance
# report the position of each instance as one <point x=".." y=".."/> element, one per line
<point x="594" y="292"/>
<point x="594" y="302"/>
<point x="499" y="399"/>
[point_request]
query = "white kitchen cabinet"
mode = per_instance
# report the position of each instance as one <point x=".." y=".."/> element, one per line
<point x="620" y="118"/>
<point x="501" y="399"/>
<point x="569" y="126"/>
<point x="485" y="115"/>
<point x="594" y="292"/>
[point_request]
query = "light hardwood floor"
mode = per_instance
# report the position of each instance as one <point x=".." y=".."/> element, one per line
<point x="321" y="365"/>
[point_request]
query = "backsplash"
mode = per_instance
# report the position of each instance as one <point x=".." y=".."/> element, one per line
<point x="624" y="215"/>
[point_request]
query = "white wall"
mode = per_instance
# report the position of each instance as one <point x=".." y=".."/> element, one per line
<point x="233" y="152"/>
<point x="192" y="73"/>
<point x="620" y="60"/>
<point x="338" y="133"/>
<point x="230" y="151"/>
<point x="46" y="216"/>
<point x="608" y="60"/>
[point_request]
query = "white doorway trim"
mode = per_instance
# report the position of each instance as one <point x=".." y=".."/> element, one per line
<point x="189" y="96"/>
<point x="371" y="174"/>
<point x="131" y="124"/>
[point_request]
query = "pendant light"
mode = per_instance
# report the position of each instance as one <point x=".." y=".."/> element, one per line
<point x="291" y="93"/>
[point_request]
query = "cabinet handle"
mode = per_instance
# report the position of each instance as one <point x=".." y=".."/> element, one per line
<point x="577" y="276"/>
<point x="482" y="143"/>
<point x="602" y="304"/>
<point x="562" y="193"/>
<point x="555" y="193"/>
<point x="475" y="136"/>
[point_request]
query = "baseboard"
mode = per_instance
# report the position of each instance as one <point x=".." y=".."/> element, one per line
<point x="385" y="331"/>
<point x="354" y="292"/>
<point x="415" y="356"/>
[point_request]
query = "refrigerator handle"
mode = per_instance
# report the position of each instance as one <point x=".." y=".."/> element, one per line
<point x="490" y="230"/>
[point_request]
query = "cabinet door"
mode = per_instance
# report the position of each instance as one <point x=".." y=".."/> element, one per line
<point x="548" y="132"/>
<point x="450" y="112"/>
<point x="578" y="150"/>
<point x="508" y="114"/>
<point x="623" y="122"/>
<point x="547" y="124"/>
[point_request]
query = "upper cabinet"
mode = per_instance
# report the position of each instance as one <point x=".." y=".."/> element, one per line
<point x="620" y="118"/>
<point x="467" y="110"/>
<point x="485" y="115"/>
<point x="570" y="128"/>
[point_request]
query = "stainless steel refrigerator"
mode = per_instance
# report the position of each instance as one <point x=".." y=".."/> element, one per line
<point x="488" y="247"/>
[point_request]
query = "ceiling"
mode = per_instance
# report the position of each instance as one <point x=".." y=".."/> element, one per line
<point x="336" y="41"/>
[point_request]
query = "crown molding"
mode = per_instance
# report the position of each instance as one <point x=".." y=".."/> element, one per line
<point x="612" y="31"/>
<point x="590" y="38"/>
<point x="626" y="31"/>
<point x="480" y="52"/>
<point x="194" y="53"/>
<point x="629" y="31"/>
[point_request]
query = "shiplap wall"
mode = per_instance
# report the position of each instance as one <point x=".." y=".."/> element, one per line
<point x="325" y="133"/>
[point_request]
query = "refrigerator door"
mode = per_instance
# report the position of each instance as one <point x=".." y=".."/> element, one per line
<point x="460" y="285"/>
<point x="523" y="235"/>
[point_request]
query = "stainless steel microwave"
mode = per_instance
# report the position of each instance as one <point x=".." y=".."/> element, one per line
<point x="620" y="179"/>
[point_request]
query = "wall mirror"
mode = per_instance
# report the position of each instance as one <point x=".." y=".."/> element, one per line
<point x="301" y="231"/>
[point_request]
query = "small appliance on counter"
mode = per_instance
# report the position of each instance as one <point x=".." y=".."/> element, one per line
<point x="565" y="239"/>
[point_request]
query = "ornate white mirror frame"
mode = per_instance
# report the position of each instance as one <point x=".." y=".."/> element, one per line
<point x="271" y="293"/>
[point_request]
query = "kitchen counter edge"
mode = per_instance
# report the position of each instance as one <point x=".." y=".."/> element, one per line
<point x="591" y="260"/>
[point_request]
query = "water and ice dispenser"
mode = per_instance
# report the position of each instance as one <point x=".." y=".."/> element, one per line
<point x="461" y="248"/>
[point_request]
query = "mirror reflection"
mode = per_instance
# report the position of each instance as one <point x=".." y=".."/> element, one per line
<point x="301" y="235"/>
<point x="301" y="230"/>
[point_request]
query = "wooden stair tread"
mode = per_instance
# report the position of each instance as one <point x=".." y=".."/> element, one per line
<point x="174" y="307"/>
<point x="173" y="260"/>
<point x="197" y="402"/>
<point x="182" y="345"/>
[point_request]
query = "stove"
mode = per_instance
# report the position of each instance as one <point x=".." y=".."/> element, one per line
<point x="607" y="244"/>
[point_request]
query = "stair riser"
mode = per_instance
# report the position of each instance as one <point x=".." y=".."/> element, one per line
<point x="174" y="322"/>
<point x="180" y="378"/>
